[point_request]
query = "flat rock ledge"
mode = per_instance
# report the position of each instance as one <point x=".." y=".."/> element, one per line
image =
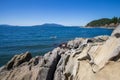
<point x="95" y="58"/>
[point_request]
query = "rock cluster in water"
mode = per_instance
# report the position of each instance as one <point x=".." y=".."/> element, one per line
<point x="80" y="59"/>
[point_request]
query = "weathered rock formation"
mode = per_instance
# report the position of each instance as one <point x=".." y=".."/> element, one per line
<point x="80" y="59"/>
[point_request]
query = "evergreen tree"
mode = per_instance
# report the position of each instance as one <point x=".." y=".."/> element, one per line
<point x="114" y="20"/>
<point x="104" y="21"/>
<point x="119" y="20"/>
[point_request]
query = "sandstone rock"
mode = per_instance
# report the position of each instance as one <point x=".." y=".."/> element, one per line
<point x="18" y="59"/>
<point x="109" y="50"/>
<point x="35" y="61"/>
<point x="109" y="72"/>
<point x="60" y="68"/>
<point x="38" y="68"/>
<point x="63" y="45"/>
<point x="84" y="71"/>
<point x="74" y="43"/>
<point x="101" y="38"/>
<point x="116" y="32"/>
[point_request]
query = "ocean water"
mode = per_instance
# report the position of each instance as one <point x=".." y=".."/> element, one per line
<point x="39" y="40"/>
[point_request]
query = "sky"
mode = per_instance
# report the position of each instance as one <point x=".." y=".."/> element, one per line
<point x="65" y="12"/>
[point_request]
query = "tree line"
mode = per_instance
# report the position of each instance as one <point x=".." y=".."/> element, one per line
<point x="104" y="22"/>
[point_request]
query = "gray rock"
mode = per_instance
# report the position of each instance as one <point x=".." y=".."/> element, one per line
<point x="75" y="43"/>
<point x="18" y="60"/>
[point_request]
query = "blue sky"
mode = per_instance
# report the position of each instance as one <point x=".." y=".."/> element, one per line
<point x="66" y="12"/>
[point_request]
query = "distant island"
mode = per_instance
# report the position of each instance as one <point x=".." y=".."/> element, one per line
<point x="49" y="25"/>
<point x="105" y="22"/>
<point x="42" y="25"/>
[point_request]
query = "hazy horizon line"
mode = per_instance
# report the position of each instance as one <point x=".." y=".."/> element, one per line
<point x="41" y="24"/>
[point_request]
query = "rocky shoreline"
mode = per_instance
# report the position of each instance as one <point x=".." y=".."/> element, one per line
<point x="80" y="59"/>
<point x="101" y="27"/>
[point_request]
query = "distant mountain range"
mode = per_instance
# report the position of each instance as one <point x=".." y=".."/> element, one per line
<point x="43" y="25"/>
<point x="49" y="25"/>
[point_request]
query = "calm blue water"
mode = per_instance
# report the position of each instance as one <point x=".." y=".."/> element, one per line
<point x="38" y="40"/>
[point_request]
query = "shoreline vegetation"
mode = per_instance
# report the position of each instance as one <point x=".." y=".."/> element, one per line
<point x="104" y="23"/>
